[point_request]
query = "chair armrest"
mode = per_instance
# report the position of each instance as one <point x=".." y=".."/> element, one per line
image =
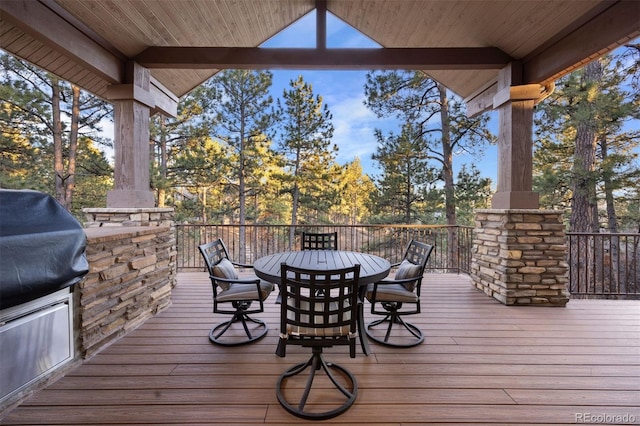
<point x="235" y="281"/>
<point x="261" y="293"/>
<point x="417" y="280"/>
<point x="402" y="281"/>
<point x="242" y="265"/>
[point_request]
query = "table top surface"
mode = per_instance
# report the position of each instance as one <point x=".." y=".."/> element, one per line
<point x="372" y="268"/>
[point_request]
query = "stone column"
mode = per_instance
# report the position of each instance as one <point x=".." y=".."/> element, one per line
<point x="519" y="256"/>
<point x="519" y="252"/>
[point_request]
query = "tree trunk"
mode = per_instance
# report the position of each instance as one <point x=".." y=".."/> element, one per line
<point x="295" y="195"/>
<point x="447" y="174"/>
<point x="204" y="205"/>
<point x="162" y="191"/>
<point x="294" y="215"/>
<point x="408" y="194"/>
<point x="242" y="235"/>
<point x="70" y="182"/>
<point x="584" y="200"/>
<point x="58" y="161"/>
<point x="612" y="222"/>
<point x="584" y="192"/>
<point x="64" y="176"/>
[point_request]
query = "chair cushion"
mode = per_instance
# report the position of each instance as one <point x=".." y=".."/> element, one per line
<point x="408" y="270"/>
<point x="391" y="293"/>
<point x="238" y="291"/>
<point x="318" y="331"/>
<point x="225" y="269"/>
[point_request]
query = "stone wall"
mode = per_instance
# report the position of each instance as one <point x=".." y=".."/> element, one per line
<point x="132" y="271"/>
<point x="519" y="257"/>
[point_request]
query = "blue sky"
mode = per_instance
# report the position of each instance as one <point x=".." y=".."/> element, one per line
<point x="343" y="92"/>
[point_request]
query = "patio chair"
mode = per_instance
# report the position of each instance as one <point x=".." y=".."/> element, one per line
<point x="390" y="297"/>
<point x="320" y="241"/>
<point x="234" y="296"/>
<point x="318" y="319"/>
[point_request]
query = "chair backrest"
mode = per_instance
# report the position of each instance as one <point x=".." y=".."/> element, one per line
<point x="320" y="241"/>
<point x="413" y="265"/>
<point x="213" y="253"/>
<point x="418" y="253"/>
<point x="319" y="308"/>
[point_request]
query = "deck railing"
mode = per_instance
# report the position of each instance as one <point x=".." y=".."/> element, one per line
<point x="452" y="244"/>
<point x="604" y="265"/>
<point x="600" y="265"/>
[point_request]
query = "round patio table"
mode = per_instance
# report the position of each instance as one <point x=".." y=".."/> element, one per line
<point x="372" y="269"/>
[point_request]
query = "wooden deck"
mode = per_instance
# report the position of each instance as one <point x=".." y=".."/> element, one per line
<point x="481" y="363"/>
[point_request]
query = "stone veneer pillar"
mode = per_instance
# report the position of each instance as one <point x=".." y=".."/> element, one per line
<point x="519" y="256"/>
<point x="132" y="271"/>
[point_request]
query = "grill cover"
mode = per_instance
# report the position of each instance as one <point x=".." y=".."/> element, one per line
<point x="42" y="247"/>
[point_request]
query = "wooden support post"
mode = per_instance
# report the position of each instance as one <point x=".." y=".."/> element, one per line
<point x="514" y="103"/>
<point x="131" y="104"/>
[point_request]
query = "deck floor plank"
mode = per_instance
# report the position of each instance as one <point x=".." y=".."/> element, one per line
<point x="481" y="363"/>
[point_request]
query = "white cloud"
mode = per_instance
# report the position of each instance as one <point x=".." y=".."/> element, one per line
<point x="354" y="131"/>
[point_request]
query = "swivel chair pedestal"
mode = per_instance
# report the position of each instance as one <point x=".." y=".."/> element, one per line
<point x="315" y="364"/>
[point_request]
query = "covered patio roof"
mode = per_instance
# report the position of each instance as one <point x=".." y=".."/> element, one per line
<point x="461" y="43"/>
<point x="143" y="55"/>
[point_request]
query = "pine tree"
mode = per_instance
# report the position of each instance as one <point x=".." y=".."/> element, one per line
<point x="356" y="190"/>
<point x="242" y="122"/>
<point x="438" y="123"/>
<point x="170" y="135"/>
<point x="53" y="116"/>
<point x="585" y="151"/>
<point x="200" y="170"/>
<point x="305" y="142"/>
<point x="472" y="192"/>
<point x="585" y="122"/>
<point x="406" y="173"/>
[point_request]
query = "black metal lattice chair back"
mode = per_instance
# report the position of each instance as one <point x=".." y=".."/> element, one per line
<point x="234" y="296"/>
<point x="320" y="241"/>
<point x="318" y="310"/>
<point x="399" y="297"/>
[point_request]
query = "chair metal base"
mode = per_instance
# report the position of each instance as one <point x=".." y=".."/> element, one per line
<point x="317" y="362"/>
<point x="390" y="320"/>
<point x="216" y="333"/>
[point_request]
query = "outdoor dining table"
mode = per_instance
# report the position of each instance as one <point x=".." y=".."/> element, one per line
<point x="372" y="269"/>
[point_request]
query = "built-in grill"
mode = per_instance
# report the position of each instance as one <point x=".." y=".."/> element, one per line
<point x="42" y="255"/>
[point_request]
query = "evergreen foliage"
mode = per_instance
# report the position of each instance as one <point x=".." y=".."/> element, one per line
<point x="233" y="154"/>
<point x="50" y="137"/>
<point x="586" y="156"/>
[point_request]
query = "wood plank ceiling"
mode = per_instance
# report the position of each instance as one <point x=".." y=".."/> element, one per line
<point x="123" y="29"/>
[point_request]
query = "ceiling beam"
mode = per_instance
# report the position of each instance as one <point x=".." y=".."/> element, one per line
<point x="596" y="36"/>
<point x="482" y="100"/>
<point x="321" y="24"/>
<point x="165" y="101"/>
<point x="49" y="28"/>
<point x="341" y="59"/>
